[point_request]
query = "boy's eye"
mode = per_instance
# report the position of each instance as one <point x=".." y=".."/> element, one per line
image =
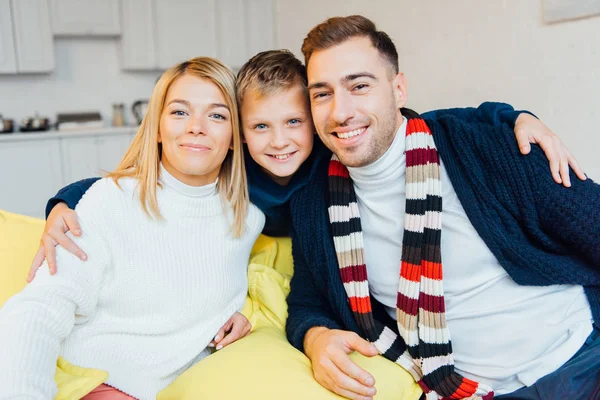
<point x="260" y="126"/>
<point x="218" y="116"/>
<point x="319" y="95"/>
<point x="294" y="121"/>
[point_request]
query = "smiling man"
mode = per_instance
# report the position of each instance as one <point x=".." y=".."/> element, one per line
<point x="519" y="290"/>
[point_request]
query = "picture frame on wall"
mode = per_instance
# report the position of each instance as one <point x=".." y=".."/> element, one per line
<point x="562" y="10"/>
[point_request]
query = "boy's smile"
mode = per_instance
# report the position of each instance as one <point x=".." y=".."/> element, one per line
<point x="278" y="130"/>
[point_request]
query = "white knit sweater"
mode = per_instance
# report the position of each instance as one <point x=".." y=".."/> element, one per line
<point x="145" y="305"/>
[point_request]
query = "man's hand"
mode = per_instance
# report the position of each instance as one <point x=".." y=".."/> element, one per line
<point x="235" y="328"/>
<point x="61" y="220"/>
<point x="328" y="350"/>
<point x="529" y="129"/>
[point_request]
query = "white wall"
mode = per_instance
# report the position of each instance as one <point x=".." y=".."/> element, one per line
<point x="463" y="52"/>
<point x="87" y="77"/>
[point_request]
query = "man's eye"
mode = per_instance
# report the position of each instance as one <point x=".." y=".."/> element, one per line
<point x="361" y="86"/>
<point x="319" y="95"/>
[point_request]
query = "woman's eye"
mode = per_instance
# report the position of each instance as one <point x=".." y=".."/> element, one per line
<point x="260" y="126"/>
<point x="219" y="116"/>
<point x="179" y="113"/>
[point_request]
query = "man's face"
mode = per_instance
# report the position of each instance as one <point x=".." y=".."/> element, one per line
<point x="355" y="99"/>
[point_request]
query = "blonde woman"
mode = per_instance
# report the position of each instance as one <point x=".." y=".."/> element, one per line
<point x="168" y="236"/>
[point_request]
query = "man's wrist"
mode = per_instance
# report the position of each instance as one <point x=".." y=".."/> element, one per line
<point x="310" y="336"/>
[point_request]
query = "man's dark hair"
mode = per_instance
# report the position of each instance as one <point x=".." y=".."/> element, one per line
<point x="337" y="30"/>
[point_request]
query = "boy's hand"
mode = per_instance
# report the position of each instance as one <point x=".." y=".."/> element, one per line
<point x="529" y="129"/>
<point x="235" y="328"/>
<point x="61" y="220"/>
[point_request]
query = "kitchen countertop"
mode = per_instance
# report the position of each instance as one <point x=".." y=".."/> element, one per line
<point x="54" y="134"/>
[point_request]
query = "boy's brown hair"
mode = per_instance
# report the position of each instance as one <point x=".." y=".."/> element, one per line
<point x="337" y="30"/>
<point x="268" y="72"/>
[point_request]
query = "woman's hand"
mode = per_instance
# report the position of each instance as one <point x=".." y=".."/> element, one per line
<point x="235" y="328"/>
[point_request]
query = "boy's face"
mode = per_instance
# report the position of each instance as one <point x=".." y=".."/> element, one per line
<point x="278" y="130"/>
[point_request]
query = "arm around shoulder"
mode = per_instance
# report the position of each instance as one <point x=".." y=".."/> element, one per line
<point x="71" y="194"/>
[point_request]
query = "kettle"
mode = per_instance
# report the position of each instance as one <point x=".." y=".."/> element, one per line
<point x="139" y="108"/>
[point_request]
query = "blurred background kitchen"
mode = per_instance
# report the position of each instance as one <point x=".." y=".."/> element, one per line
<point x="75" y="75"/>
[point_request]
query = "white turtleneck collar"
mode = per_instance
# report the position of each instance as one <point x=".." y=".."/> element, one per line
<point x="177" y="199"/>
<point x="387" y="167"/>
<point x="191" y="191"/>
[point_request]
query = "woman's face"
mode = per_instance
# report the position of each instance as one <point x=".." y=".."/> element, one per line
<point x="195" y="130"/>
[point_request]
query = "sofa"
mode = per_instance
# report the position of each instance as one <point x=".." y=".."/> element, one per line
<point x="263" y="365"/>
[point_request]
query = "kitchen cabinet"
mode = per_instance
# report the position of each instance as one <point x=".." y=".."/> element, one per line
<point x="157" y="34"/>
<point x="138" y="42"/>
<point x="30" y="174"/>
<point x="8" y="57"/>
<point x="34" y="48"/>
<point x="84" y="157"/>
<point x="184" y="29"/>
<point x="34" y="166"/>
<point x="231" y="32"/>
<point x="85" y="17"/>
<point x="244" y="28"/>
<point x="260" y="29"/>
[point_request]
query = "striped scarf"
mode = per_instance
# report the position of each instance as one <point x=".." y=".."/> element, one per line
<point x="423" y="347"/>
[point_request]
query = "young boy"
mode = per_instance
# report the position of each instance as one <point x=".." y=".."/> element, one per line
<point x="281" y="146"/>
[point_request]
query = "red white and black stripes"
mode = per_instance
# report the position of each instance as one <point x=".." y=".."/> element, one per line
<point x="424" y="346"/>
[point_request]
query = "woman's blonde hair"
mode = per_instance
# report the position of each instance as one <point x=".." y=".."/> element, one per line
<point x="142" y="159"/>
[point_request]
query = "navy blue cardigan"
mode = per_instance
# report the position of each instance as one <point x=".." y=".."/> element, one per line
<point x="273" y="199"/>
<point x="541" y="233"/>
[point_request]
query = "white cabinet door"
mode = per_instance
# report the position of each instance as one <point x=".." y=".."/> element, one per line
<point x="85" y="17"/>
<point x="110" y="150"/>
<point x="138" y="45"/>
<point x="260" y="27"/>
<point x="87" y="157"/>
<point x="30" y="174"/>
<point x="35" y="49"/>
<point x="185" y="29"/>
<point x="8" y="60"/>
<point x="231" y="32"/>
<point x="79" y="159"/>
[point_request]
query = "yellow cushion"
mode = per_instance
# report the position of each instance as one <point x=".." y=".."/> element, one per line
<point x="264" y="366"/>
<point x="269" y="272"/>
<point x="19" y="241"/>
<point x="75" y="382"/>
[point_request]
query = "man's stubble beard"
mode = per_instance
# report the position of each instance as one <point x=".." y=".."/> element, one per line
<point x="380" y="142"/>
